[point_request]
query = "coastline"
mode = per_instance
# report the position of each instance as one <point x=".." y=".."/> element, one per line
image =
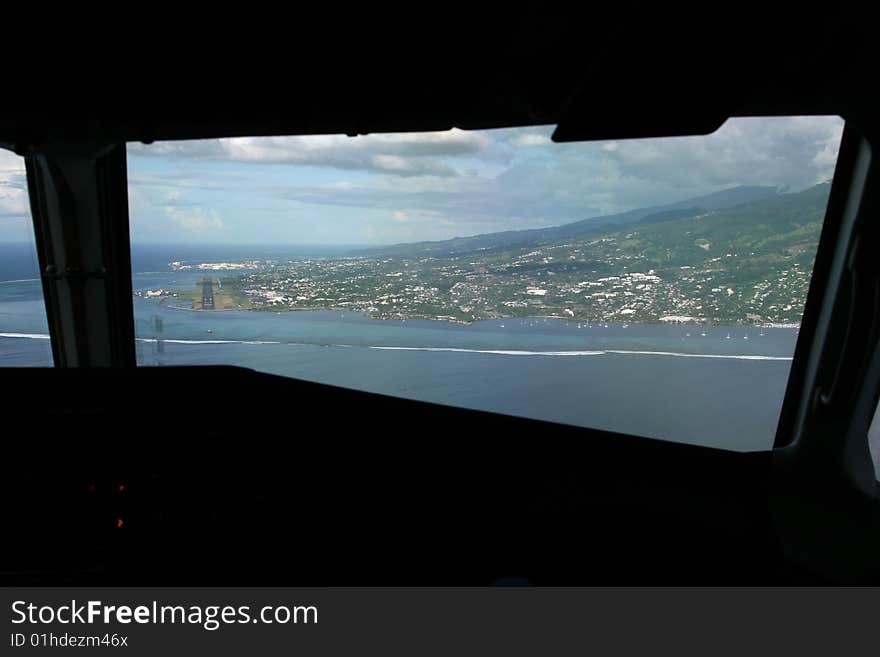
<point x="403" y="316"/>
<point x="697" y="322"/>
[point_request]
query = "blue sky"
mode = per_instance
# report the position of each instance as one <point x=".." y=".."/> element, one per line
<point x="380" y="189"/>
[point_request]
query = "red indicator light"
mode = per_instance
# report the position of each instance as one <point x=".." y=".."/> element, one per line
<point x="118" y="523"/>
<point x="121" y="488"/>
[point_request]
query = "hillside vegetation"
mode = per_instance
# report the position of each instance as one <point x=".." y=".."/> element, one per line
<point x="745" y="263"/>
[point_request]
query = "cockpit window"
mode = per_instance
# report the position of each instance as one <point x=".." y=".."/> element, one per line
<point x="652" y="287"/>
<point x="24" y="330"/>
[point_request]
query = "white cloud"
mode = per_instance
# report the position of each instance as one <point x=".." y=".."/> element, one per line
<point x="13" y="201"/>
<point x="13" y="186"/>
<point x="175" y="198"/>
<point x="410" y="167"/>
<point x="9" y="161"/>
<point x="403" y="154"/>
<point x="508" y="185"/>
<point x="794" y="152"/>
<point x="531" y="139"/>
<point x="194" y="220"/>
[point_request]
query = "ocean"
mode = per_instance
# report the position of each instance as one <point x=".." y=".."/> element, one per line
<point x="707" y="385"/>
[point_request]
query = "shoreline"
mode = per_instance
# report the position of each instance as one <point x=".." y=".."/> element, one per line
<point x="515" y="352"/>
<point x="567" y="320"/>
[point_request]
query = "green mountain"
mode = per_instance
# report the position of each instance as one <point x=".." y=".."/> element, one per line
<point x="746" y="263"/>
<point x="594" y="225"/>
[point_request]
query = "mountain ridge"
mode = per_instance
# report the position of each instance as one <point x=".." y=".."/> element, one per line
<point x="749" y="263"/>
<point x="502" y="240"/>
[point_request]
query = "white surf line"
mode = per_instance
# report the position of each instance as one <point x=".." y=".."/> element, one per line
<point x="498" y="352"/>
<point x="176" y="341"/>
<point x="501" y="352"/>
<point x="513" y="352"/>
<point x="683" y="355"/>
<point x="20" y="280"/>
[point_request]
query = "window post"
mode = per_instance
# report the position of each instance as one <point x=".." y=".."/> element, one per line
<point x="78" y="196"/>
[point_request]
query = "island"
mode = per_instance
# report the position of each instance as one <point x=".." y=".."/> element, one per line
<point x="746" y="264"/>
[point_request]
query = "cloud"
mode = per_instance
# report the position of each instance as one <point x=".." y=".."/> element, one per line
<point x="794" y="152"/>
<point x="175" y="199"/>
<point x="576" y="181"/>
<point x="403" y="154"/>
<point x="589" y="178"/>
<point x="514" y="178"/>
<point x="13" y="201"/>
<point x="409" y="167"/>
<point x="13" y="186"/>
<point x="531" y="139"/>
<point x="195" y="220"/>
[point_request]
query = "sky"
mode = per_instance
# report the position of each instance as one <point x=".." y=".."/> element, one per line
<point x="404" y="187"/>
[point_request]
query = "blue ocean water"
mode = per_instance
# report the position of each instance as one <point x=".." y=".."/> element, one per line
<point x="715" y="386"/>
<point x="22" y="311"/>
